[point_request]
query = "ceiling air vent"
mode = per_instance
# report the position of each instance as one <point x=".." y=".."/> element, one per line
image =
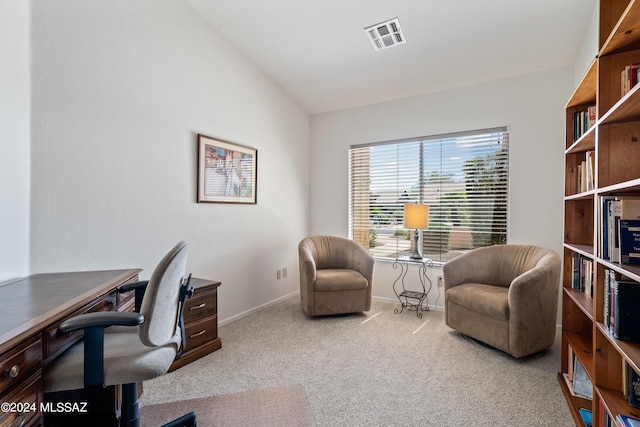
<point x="385" y="34"/>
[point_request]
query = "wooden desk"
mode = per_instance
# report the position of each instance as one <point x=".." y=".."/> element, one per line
<point x="31" y="309"/>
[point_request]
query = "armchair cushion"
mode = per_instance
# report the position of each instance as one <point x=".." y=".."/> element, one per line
<point x="333" y="279"/>
<point x="492" y="300"/>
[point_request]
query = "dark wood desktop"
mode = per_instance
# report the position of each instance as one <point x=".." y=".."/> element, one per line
<point x="31" y="309"/>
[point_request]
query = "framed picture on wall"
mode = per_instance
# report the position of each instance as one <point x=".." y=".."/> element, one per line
<point x="227" y="172"/>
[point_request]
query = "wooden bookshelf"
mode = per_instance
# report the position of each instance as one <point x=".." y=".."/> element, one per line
<point x="614" y="140"/>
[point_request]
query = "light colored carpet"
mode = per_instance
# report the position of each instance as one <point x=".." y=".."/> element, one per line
<point x="285" y="406"/>
<point x="375" y="369"/>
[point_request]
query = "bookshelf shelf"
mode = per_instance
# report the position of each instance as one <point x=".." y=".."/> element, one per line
<point x="627" y="187"/>
<point x="630" y="351"/>
<point x="615" y="402"/>
<point x="631" y="271"/>
<point x="585" y="93"/>
<point x="602" y="162"/>
<point x="625" y="110"/>
<point x="586" y="250"/>
<point x="581" y="196"/>
<point x="576" y="401"/>
<point x="586" y="142"/>
<point x="584" y="302"/>
<point x="626" y="33"/>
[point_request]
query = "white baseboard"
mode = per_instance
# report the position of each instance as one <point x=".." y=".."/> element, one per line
<point x="258" y="308"/>
<point x="282" y="298"/>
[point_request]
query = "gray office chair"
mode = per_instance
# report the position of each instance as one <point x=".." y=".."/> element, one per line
<point x="128" y="348"/>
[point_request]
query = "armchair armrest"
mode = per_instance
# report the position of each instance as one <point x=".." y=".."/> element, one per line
<point x="307" y="266"/>
<point x="534" y="294"/>
<point x="457" y="271"/>
<point x="94" y="325"/>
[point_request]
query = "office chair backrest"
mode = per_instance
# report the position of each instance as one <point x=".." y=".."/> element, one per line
<point x="160" y="302"/>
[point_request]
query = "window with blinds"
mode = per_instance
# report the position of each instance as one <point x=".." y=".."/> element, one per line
<point x="462" y="177"/>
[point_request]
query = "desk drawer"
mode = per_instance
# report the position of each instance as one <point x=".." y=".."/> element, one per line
<point x="201" y="332"/>
<point x="27" y="396"/>
<point x="202" y="304"/>
<point x="55" y="342"/>
<point x="18" y="363"/>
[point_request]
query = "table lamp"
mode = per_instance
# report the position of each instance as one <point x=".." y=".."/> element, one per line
<point x="416" y="216"/>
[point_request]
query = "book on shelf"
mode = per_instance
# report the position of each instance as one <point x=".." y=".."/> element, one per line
<point x="576" y="378"/>
<point x="590" y="165"/>
<point x="603" y="220"/>
<point x="582" y="273"/>
<point x="610" y="211"/>
<point x="581" y="384"/>
<point x="585" y="176"/>
<point x="615" y="207"/>
<point x="587" y="417"/>
<point x="629" y="238"/>
<point x="633" y="388"/>
<point x="583" y="120"/>
<point x="610" y="286"/>
<point x="625" y="421"/>
<point x="605" y="418"/>
<point x="629" y="78"/>
<point x="626" y="310"/>
<point x="606" y="294"/>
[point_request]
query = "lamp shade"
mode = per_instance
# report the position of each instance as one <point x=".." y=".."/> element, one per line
<point x="416" y="216"/>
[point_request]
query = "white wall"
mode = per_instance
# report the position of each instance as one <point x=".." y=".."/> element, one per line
<point x="15" y="163"/>
<point x="588" y="49"/>
<point x="531" y="105"/>
<point x="120" y="90"/>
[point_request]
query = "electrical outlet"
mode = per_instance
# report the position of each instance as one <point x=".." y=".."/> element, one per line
<point x="278" y="274"/>
<point x="440" y="280"/>
<point x="284" y="272"/>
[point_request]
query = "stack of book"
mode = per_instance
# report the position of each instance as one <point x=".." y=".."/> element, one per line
<point x="624" y="421"/>
<point x="621" y="311"/>
<point x="619" y="222"/>
<point x="577" y="379"/>
<point x="582" y="121"/>
<point x="629" y="78"/>
<point x="585" y="176"/>
<point x="582" y="273"/>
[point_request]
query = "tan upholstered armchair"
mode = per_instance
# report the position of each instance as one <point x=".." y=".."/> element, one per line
<point x="505" y="296"/>
<point x="335" y="276"/>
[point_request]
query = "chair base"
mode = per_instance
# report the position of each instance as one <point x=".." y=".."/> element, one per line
<point x="130" y="410"/>
<point x="102" y="404"/>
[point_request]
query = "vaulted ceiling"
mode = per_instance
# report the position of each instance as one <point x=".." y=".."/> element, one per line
<point x="318" y="52"/>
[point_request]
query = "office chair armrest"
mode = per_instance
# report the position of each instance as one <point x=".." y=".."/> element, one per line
<point x="101" y="319"/>
<point x="133" y="286"/>
<point x="139" y="287"/>
<point x="94" y="325"/>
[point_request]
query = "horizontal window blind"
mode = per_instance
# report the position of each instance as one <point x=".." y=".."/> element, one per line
<point x="462" y="177"/>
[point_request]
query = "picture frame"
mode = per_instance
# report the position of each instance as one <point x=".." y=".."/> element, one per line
<point x="227" y="172"/>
